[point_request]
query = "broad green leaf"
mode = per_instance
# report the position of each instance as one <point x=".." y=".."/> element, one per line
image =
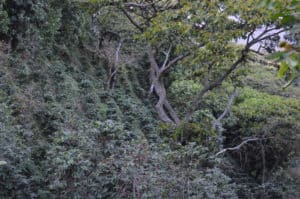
<point x="283" y="69"/>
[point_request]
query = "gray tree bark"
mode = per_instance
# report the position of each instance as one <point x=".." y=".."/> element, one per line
<point x="163" y="107"/>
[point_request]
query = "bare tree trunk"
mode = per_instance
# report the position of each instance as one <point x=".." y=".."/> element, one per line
<point x="114" y="69"/>
<point x="163" y="107"/>
<point x="172" y="112"/>
<point x="161" y="93"/>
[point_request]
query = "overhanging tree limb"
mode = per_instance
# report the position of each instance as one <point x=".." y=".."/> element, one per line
<point x="238" y="146"/>
<point x="211" y="86"/>
<point x="262" y="36"/>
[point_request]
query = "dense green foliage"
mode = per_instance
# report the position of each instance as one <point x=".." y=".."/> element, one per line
<point x="271" y="117"/>
<point x="65" y="134"/>
<point x="3" y="19"/>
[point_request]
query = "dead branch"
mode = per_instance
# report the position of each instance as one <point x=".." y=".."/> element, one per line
<point x="238" y="146"/>
<point x="167" y="54"/>
<point x="217" y="123"/>
<point x="114" y="69"/>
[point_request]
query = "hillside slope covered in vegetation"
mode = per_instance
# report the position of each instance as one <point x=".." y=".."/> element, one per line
<point x="80" y="113"/>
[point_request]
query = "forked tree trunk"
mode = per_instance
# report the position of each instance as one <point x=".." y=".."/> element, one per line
<point x="163" y="107"/>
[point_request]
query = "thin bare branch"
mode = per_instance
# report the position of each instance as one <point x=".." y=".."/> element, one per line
<point x="250" y="35"/>
<point x="139" y="5"/>
<point x="217" y="122"/>
<point x="257" y="51"/>
<point x="114" y="69"/>
<point x="167" y="54"/>
<point x="238" y="146"/>
<point x="264" y="35"/>
<point x="175" y="60"/>
<point x="271" y="35"/>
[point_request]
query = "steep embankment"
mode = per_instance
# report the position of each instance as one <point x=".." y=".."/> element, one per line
<point x="64" y="135"/>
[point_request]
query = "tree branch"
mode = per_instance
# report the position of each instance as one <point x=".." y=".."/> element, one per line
<point x="265" y="62"/>
<point x="271" y="35"/>
<point x="166" y="59"/>
<point x="263" y="36"/>
<point x="217" y="122"/>
<point x="238" y="146"/>
<point x="113" y="70"/>
<point x="175" y="60"/>
<point x="138" y="5"/>
<point x="130" y="18"/>
<point x="214" y="84"/>
<point x="220" y="80"/>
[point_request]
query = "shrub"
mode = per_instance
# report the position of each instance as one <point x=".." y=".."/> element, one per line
<point x="274" y="119"/>
<point x="4" y="20"/>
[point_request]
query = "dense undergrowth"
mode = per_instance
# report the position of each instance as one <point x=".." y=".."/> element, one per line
<point x="63" y="134"/>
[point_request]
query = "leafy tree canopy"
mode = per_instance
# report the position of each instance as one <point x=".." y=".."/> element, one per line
<point x="199" y="33"/>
